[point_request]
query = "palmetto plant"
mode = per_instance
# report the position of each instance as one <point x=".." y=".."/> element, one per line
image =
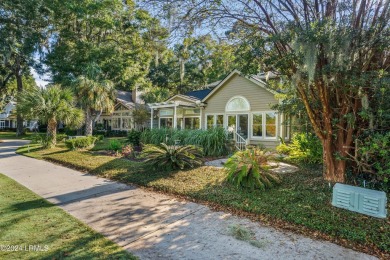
<point x="50" y="105"/>
<point x="172" y="157"/>
<point x="248" y="169"/>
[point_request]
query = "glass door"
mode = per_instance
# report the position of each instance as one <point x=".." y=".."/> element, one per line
<point x="239" y="124"/>
<point x="242" y="125"/>
<point x="232" y="123"/>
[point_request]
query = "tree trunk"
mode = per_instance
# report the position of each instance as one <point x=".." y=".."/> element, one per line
<point x="19" y="119"/>
<point x="334" y="169"/>
<point x="88" y="122"/>
<point x="51" y="133"/>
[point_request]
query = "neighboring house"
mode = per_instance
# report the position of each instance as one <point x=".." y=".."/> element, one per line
<point x="241" y="104"/>
<point x="121" y="119"/>
<point x="8" y="118"/>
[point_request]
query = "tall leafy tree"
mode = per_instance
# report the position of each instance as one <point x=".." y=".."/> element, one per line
<point x="50" y="105"/>
<point x="23" y="27"/>
<point x="193" y="64"/>
<point x="114" y="34"/>
<point x="333" y="54"/>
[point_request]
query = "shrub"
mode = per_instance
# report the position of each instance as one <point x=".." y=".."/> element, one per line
<point x="248" y="169"/>
<point x="81" y="142"/>
<point x="172" y="157"/>
<point x="212" y="141"/>
<point x="304" y="148"/>
<point x="115" y="145"/>
<point x="61" y="137"/>
<point x="134" y="137"/>
<point x="37" y="139"/>
<point x="373" y="159"/>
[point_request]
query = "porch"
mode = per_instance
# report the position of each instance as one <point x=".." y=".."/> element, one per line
<point x="176" y="114"/>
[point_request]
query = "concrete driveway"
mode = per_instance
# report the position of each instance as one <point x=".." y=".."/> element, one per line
<point x="156" y="226"/>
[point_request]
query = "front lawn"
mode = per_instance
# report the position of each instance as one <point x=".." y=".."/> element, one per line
<point x="301" y="203"/>
<point x="32" y="228"/>
<point x="105" y="143"/>
<point x="12" y="135"/>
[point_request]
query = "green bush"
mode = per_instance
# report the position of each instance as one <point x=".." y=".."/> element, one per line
<point x="37" y="138"/>
<point x="248" y="169"/>
<point x="61" y="137"/>
<point x="373" y="158"/>
<point x="134" y="137"/>
<point x="115" y="145"/>
<point x="81" y="142"/>
<point x="213" y="141"/>
<point x="304" y="148"/>
<point x="171" y="157"/>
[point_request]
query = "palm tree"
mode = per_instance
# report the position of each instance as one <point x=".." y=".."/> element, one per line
<point x="50" y="105"/>
<point x="94" y="94"/>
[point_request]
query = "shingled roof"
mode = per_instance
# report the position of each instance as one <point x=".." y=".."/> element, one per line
<point x="202" y="93"/>
<point x="125" y="98"/>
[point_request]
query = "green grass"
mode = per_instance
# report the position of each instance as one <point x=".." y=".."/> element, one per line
<point x="105" y="143"/>
<point x="301" y="203"/>
<point x="27" y="219"/>
<point x="12" y="135"/>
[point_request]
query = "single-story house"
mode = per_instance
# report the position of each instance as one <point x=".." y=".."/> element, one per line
<point x="121" y="119"/>
<point x="8" y="118"/>
<point x="240" y="104"/>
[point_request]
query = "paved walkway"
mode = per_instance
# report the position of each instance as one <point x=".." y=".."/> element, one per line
<point x="155" y="226"/>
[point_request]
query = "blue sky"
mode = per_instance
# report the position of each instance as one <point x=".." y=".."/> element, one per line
<point x="40" y="80"/>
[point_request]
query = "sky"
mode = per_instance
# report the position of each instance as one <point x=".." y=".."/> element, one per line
<point x="40" y="80"/>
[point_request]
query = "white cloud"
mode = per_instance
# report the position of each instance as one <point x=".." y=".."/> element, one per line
<point x="41" y="81"/>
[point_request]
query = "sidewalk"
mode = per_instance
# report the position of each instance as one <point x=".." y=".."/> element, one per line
<point x="156" y="226"/>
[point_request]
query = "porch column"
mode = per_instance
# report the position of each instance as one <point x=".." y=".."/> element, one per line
<point x="151" y="118"/>
<point x="174" y="117"/>
<point x="281" y="126"/>
<point x="201" y="124"/>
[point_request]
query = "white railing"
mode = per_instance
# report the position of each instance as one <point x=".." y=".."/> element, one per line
<point x="240" y="141"/>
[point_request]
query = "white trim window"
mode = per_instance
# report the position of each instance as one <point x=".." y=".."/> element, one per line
<point x="214" y="120"/>
<point x="270" y="125"/>
<point x="264" y="125"/>
<point x="257" y="125"/>
<point x="237" y="104"/>
<point x="165" y="122"/>
<point x="192" y="122"/>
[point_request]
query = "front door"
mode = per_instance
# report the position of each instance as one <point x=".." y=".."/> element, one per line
<point x="2" y="124"/>
<point x="242" y="125"/>
<point x="239" y="124"/>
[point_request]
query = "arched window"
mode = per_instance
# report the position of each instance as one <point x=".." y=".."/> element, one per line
<point x="237" y="104"/>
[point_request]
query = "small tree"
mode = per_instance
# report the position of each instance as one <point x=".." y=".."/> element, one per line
<point x="50" y="105"/>
<point x="141" y="116"/>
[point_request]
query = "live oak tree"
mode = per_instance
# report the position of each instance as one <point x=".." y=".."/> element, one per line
<point x="113" y="34"/>
<point x="23" y="27"/>
<point x="333" y="54"/>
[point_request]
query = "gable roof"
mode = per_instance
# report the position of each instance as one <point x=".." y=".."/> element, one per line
<point x="125" y="98"/>
<point x="251" y="78"/>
